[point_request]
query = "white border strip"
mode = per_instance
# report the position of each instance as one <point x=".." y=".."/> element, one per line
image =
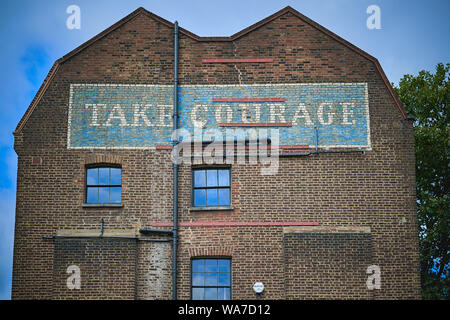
<point x="69" y="117"/>
<point x="366" y="98"/>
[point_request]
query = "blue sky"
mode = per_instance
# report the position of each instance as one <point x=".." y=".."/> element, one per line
<point x="413" y="36"/>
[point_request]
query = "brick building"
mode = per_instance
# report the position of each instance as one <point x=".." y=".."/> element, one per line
<point x="100" y="200"/>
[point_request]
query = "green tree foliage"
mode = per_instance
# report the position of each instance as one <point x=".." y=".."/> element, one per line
<point x="426" y="97"/>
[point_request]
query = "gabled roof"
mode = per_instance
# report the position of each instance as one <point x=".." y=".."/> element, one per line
<point x="193" y="36"/>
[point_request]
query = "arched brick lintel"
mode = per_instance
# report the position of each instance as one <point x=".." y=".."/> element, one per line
<point x="102" y="158"/>
<point x="222" y="251"/>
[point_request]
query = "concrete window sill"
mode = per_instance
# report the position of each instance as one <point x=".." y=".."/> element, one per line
<point x="102" y="205"/>
<point x="218" y="208"/>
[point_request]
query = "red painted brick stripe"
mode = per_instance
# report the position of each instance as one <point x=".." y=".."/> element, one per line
<point x="254" y="60"/>
<point x="242" y="124"/>
<point x="236" y="224"/>
<point x="162" y="147"/>
<point x="248" y="99"/>
<point x="36" y="160"/>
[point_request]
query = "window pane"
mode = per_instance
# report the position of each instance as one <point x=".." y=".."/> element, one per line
<point x="199" y="197"/>
<point x="198" y="265"/>
<point x="224" y="265"/>
<point x="92" y="176"/>
<point x="199" y="178"/>
<point x="223" y="294"/>
<point x="92" y="195"/>
<point x="116" y="176"/>
<point x="224" y="177"/>
<point x="198" y="279"/>
<point x="211" y="178"/>
<point x="115" y="195"/>
<point x="224" y="197"/>
<point x="211" y="197"/>
<point x="224" y="279"/>
<point x="211" y="265"/>
<point x="211" y="293"/>
<point x="103" y="176"/>
<point x="103" y="195"/>
<point x="209" y="275"/>
<point x="210" y="279"/>
<point x="198" y="293"/>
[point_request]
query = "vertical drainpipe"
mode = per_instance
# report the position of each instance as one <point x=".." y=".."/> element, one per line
<point x="175" y="167"/>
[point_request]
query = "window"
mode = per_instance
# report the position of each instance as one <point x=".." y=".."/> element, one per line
<point x="211" y="187"/>
<point x="104" y="185"/>
<point x="211" y="279"/>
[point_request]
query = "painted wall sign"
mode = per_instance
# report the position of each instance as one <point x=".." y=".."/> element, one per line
<point x="140" y="116"/>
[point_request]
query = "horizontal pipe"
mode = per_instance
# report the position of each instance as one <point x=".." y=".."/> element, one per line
<point x="280" y="155"/>
<point x="154" y="240"/>
<point x="286" y="155"/>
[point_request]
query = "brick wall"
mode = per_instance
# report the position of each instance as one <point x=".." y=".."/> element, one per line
<point x="375" y="189"/>
<point x="154" y="271"/>
<point x="107" y="268"/>
<point x="322" y="263"/>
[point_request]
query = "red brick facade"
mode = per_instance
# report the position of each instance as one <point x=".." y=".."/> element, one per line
<point x="373" y="191"/>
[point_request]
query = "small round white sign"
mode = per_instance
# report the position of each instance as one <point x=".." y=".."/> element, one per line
<point x="258" y="287"/>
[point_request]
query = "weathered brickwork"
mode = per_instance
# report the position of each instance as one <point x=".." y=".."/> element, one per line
<point x="107" y="268"/>
<point x="327" y="264"/>
<point x="372" y="190"/>
<point x="154" y="271"/>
